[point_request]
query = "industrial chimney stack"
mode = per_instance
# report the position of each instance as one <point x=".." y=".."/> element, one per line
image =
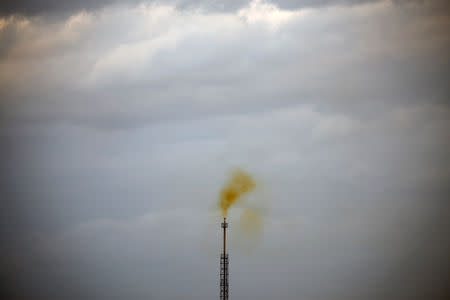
<point x="224" y="265"/>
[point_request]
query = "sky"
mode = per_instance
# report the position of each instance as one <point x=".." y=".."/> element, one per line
<point x="120" y="121"/>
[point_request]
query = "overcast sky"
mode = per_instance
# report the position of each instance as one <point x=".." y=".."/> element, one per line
<point x="120" y="121"/>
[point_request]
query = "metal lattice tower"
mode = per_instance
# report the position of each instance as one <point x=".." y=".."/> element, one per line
<point x="224" y="265"/>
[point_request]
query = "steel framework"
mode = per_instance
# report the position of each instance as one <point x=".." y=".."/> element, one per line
<point x="224" y="265"/>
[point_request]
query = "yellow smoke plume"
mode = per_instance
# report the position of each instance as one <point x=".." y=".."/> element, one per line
<point x="250" y="222"/>
<point x="239" y="184"/>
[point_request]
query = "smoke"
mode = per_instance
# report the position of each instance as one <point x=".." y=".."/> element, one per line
<point x="250" y="222"/>
<point x="250" y="198"/>
<point x="239" y="184"/>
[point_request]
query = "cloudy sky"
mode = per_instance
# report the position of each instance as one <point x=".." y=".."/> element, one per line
<point x="120" y="120"/>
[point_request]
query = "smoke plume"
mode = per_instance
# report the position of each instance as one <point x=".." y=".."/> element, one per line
<point x="239" y="184"/>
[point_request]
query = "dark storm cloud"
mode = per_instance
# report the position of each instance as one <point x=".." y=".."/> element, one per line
<point x="52" y="7"/>
<point x="35" y="7"/>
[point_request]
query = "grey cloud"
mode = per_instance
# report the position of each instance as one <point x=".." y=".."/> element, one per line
<point x="205" y="69"/>
<point x="63" y="7"/>
<point x="118" y="127"/>
<point x="33" y="8"/>
<point x="366" y="250"/>
<point x="25" y="7"/>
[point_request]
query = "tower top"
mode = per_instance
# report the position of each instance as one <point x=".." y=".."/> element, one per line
<point x="224" y="224"/>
